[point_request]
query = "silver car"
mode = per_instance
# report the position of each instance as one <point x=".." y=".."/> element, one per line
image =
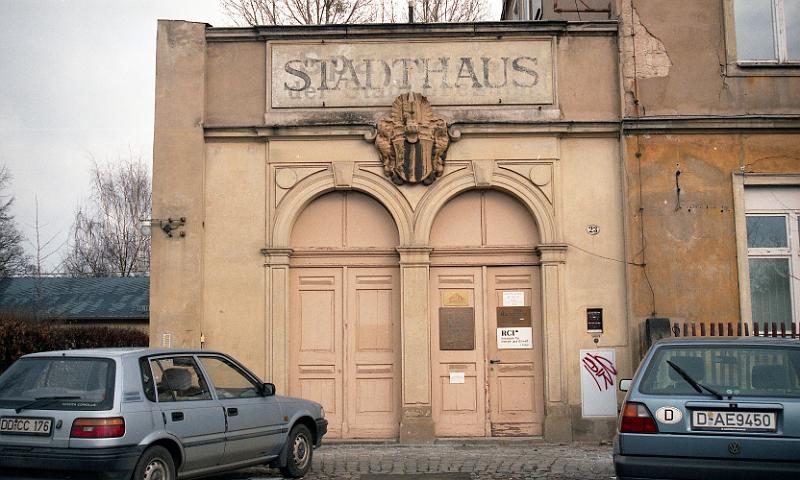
<point x="148" y="414"/>
<point x="712" y="408"/>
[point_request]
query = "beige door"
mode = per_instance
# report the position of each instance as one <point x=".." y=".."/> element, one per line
<point x="344" y="347"/>
<point x="458" y="364"/>
<point x="516" y="397"/>
<point x="480" y="389"/>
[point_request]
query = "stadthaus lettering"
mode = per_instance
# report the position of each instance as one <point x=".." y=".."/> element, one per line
<point x="373" y="74"/>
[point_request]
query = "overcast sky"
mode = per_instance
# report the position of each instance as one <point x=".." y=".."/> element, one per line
<point x="77" y="82"/>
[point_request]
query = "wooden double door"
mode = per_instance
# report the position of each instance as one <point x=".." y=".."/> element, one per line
<point x="486" y="388"/>
<point x="344" y="347"/>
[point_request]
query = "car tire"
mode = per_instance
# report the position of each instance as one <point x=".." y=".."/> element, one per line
<point x="156" y="463"/>
<point x="299" y="451"/>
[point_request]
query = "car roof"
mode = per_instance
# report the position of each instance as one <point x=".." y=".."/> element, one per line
<point x="738" y="341"/>
<point x="118" y="352"/>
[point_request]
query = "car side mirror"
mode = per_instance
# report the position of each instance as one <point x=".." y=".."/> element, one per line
<point x="625" y="384"/>
<point x="268" y="389"/>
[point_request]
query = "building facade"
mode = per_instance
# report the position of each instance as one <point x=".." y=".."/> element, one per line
<point x="712" y="159"/>
<point x="407" y="223"/>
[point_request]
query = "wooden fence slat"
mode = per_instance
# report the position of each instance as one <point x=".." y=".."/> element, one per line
<point x="774" y="329"/>
<point x="755" y="329"/>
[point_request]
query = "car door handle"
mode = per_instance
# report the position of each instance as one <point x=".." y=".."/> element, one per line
<point x="232" y="412"/>
<point x="177" y="416"/>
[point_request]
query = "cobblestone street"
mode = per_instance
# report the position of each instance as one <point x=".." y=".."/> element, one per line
<point x="452" y="460"/>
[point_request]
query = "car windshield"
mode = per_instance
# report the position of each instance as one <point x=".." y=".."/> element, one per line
<point x="761" y="371"/>
<point x="58" y="383"/>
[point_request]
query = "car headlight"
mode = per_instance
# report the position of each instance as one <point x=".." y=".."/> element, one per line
<point x="321" y="412"/>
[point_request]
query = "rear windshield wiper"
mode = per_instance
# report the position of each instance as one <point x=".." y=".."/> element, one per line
<point x="699" y="387"/>
<point x="42" y="401"/>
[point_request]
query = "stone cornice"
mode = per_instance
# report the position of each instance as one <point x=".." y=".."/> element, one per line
<point x="411" y="30"/>
<point x="711" y="123"/>
<point x="599" y="128"/>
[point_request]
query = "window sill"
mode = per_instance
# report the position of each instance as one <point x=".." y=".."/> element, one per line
<point x="760" y="69"/>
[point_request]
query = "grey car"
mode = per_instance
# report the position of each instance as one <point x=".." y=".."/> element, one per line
<point x="148" y="415"/>
<point x="712" y="408"/>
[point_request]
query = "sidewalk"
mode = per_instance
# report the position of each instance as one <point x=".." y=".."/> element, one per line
<point x="452" y="460"/>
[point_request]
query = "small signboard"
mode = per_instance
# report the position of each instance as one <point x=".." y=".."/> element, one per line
<point x="456" y="298"/>
<point x="598" y="383"/>
<point x="594" y="320"/>
<point x="513" y="317"/>
<point x="514" y="338"/>
<point x="456" y="377"/>
<point x="513" y="299"/>
<point x="457" y="328"/>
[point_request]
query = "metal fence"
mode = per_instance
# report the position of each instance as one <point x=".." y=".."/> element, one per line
<point x="730" y="329"/>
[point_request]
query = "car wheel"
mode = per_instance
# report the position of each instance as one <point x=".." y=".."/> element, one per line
<point x="156" y="463"/>
<point x="300" y="448"/>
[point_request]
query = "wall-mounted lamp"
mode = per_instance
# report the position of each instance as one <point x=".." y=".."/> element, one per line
<point x="166" y="225"/>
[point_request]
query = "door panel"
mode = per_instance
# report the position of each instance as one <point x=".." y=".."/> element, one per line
<point x="254" y="422"/>
<point x="516" y="398"/>
<point x="373" y="339"/>
<point x="315" y="350"/>
<point x="458" y="400"/>
<point x="188" y="410"/>
<point x="346" y="355"/>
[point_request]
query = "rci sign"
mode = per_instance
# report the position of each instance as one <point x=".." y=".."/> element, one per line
<point x="374" y="74"/>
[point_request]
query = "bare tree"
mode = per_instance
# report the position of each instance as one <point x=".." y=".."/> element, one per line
<point x="450" y="11"/>
<point x="106" y="240"/>
<point x="298" y="12"/>
<point x="320" y="12"/>
<point x="13" y="260"/>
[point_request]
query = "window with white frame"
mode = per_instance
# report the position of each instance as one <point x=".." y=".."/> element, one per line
<point x="773" y="254"/>
<point x="767" y="31"/>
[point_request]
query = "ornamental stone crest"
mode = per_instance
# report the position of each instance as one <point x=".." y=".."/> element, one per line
<point x="412" y="141"/>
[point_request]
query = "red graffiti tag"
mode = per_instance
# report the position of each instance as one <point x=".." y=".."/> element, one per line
<point x="600" y="368"/>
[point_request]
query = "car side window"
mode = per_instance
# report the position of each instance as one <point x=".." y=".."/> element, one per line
<point x="148" y="385"/>
<point x="179" y="379"/>
<point x="228" y="380"/>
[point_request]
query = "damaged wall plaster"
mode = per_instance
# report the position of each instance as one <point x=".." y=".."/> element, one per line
<point x="644" y="55"/>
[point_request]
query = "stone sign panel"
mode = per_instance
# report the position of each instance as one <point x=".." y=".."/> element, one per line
<point x="362" y="74"/>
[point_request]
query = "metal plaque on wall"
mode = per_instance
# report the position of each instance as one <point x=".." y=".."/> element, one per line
<point x="457" y="328"/>
<point x="513" y="317"/>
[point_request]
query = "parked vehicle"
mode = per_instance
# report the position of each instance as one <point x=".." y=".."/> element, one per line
<point x="148" y="415"/>
<point x="712" y="408"/>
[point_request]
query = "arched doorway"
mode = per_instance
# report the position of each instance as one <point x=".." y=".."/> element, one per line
<point x="486" y="318"/>
<point x="344" y="331"/>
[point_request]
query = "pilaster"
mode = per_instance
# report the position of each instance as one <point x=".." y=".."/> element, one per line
<point x="277" y="305"/>
<point x="557" y="423"/>
<point x="416" y="424"/>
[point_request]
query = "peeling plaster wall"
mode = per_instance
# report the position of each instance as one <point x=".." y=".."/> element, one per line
<point x="689" y="245"/>
<point x="679" y="63"/>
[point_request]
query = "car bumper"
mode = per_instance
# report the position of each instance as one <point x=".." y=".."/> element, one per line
<point x="631" y="467"/>
<point x="42" y="463"/>
<point x="322" y="429"/>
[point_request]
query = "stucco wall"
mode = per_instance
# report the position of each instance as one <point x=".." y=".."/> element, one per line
<point x="680" y="58"/>
<point x="689" y="249"/>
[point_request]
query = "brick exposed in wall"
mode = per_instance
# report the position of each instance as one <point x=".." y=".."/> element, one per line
<point x="644" y="55"/>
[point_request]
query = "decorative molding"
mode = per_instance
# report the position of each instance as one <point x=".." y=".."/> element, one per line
<point x="366" y="131"/>
<point x="343" y="174"/>
<point x="553" y="253"/>
<point x="412" y="141"/>
<point x="483" y="170"/>
<point x="416" y="30"/>
<point x="716" y="124"/>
